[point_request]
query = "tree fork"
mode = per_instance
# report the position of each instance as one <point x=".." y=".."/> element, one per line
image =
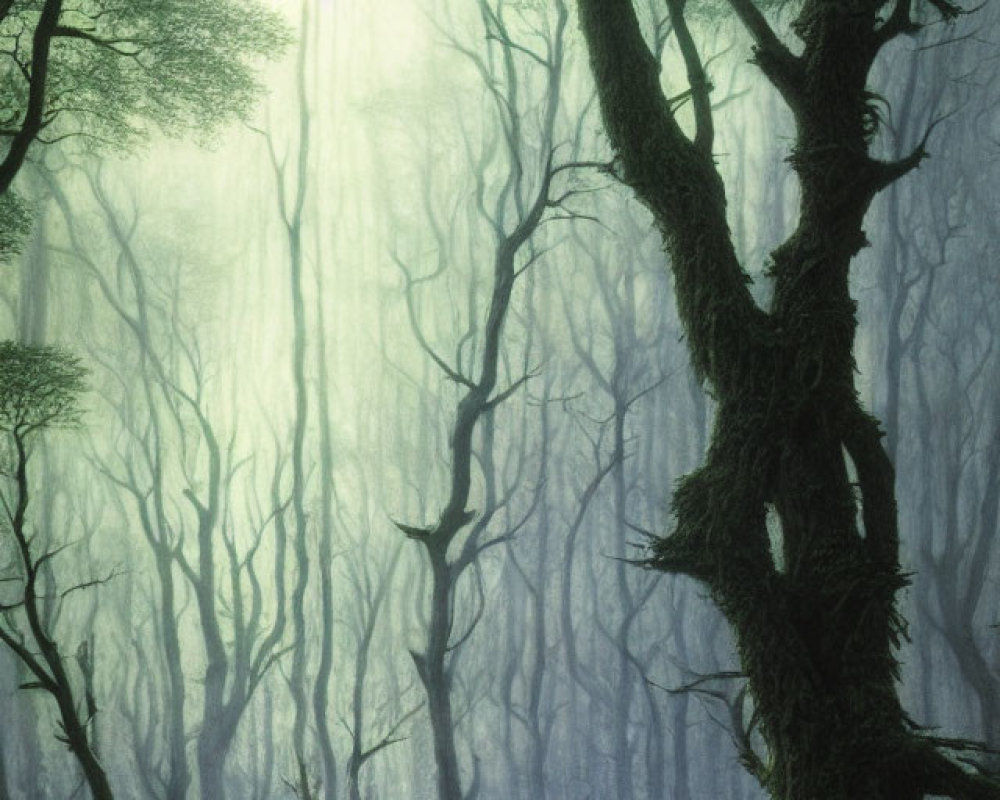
<point x="816" y="625"/>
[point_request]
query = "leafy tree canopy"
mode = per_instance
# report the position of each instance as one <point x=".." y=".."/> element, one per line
<point x="104" y="70"/>
<point x="15" y="224"/>
<point x="39" y="387"/>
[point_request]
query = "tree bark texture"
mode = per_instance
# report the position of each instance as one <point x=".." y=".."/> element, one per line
<point x="817" y="636"/>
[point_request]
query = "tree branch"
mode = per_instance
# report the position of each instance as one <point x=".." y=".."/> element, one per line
<point x="678" y="182"/>
<point x="32" y="123"/>
<point x="113" y="45"/>
<point x="700" y="87"/>
<point x="776" y="61"/>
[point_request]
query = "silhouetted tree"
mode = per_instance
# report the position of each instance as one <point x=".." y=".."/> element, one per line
<point x="816" y="624"/>
<point x="39" y="389"/>
<point x="512" y="206"/>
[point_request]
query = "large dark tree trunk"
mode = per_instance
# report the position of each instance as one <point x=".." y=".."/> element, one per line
<point x="816" y="625"/>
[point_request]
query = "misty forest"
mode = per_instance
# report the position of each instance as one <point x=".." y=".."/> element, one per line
<point x="457" y="399"/>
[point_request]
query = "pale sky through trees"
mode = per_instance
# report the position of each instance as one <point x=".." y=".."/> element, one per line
<point x="243" y="508"/>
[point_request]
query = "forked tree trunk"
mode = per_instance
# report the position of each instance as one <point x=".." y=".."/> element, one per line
<point x="481" y="395"/>
<point x="816" y="637"/>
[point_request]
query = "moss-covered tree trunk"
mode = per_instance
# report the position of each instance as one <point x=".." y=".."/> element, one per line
<point x="815" y="623"/>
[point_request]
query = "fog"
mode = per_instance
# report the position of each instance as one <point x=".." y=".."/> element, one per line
<point x="416" y="238"/>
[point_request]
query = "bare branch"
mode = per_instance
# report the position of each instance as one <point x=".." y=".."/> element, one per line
<point x="115" y="573"/>
<point x="500" y="397"/>
<point x="418" y="333"/>
<point x="114" y="45"/>
<point x="887" y="172"/>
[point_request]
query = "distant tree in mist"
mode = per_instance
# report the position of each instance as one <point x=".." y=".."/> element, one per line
<point x="512" y="204"/>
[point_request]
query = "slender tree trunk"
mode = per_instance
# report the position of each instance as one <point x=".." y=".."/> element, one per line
<point x="266" y="781"/>
<point x="538" y="749"/>
<point x="4" y="788"/>
<point x="214" y="744"/>
<point x="621" y="712"/>
<point x="31" y="756"/>
<point x="33" y="302"/>
<point x="33" y="299"/>
<point x="436" y="678"/>
<point x="78" y="742"/>
<point x="297" y="674"/>
<point x="215" y="737"/>
<point x="47" y="667"/>
<point x="679" y="725"/>
<point x="516" y="218"/>
<point x="324" y="671"/>
<point x="179" y="773"/>
<point x="292" y="218"/>
<point x="9" y="714"/>
<point x="514" y="649"/>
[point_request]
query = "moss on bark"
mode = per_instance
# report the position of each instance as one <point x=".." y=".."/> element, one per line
<point x="817" y="638"/>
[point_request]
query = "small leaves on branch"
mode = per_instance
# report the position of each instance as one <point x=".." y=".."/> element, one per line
<point x="15" y="224"/>
<point x="39" y="387"/>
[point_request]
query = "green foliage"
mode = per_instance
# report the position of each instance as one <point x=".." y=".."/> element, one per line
<point x="39" y="387"/>
<point x="15" y="224"/>
<point x="117" y="65"/>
